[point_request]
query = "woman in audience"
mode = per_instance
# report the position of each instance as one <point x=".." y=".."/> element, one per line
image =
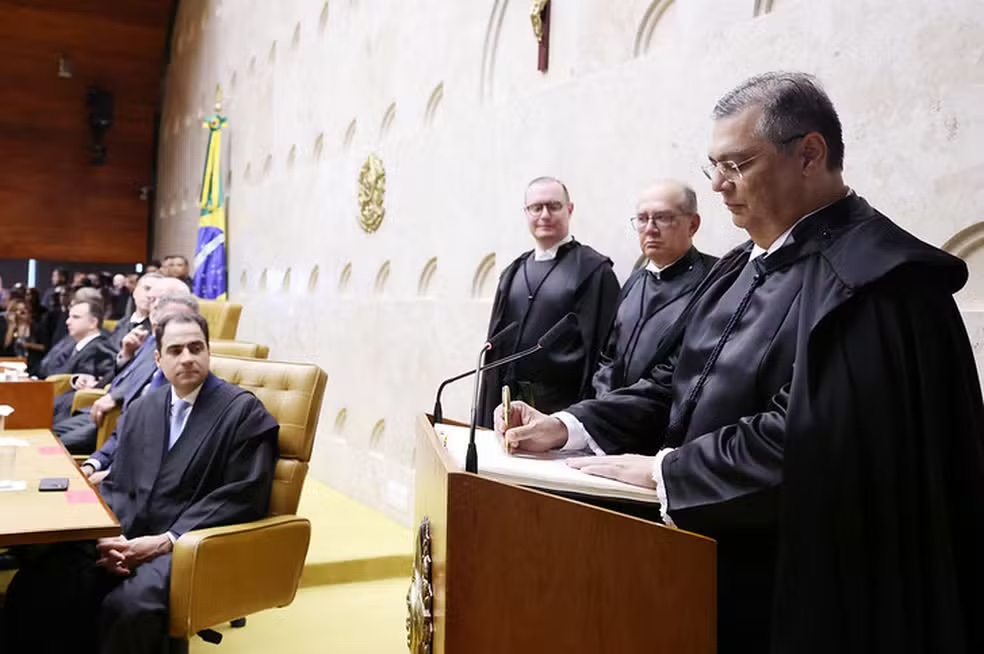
<point x="23" y="336"/>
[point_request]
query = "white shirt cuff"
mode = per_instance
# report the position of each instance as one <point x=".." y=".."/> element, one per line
<point x="664" y="508"/>
<point x="171" y="537"/>
<point x="94" y="463"/>
<point x="578" y="437"/>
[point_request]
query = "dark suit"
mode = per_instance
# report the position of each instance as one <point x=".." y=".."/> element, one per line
<point x="124" y="327"/>
<point x="219" y="472"/>
<point x="78" y="432"/>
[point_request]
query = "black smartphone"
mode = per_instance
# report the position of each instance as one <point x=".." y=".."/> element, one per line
<point x="53" y="484"/>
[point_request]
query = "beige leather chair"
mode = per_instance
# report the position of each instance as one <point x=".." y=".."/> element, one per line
<point x="61" y="382"/>
<point x="222" y="318"/>
<point x="223" y="573"/>
<point x="224" y="347"/>
<point x="109" y="325"/>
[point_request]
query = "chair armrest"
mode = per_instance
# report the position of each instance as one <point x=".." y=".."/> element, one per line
<point x="224" y="573"/>
<point x="86" y="398"/>
<point x="62" y="382"/>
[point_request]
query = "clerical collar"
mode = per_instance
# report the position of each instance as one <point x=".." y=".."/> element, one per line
<point x="85" y="341"/>
<point x="189" y="398"/>
<point x="134" y="320"/>
<point x="667" y="271"/>
<point x="779" y="242"/>
<point x="550" y="253"/>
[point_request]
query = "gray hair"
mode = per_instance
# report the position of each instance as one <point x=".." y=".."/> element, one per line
<point x="186" y="300"/>
<point x="793" y="105"/>
<point x="689" y="199"/>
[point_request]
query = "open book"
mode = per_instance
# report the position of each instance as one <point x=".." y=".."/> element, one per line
<point x="547" y="471"/>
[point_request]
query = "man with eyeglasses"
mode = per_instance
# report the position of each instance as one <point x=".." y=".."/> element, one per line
<point x="655" y="295"/>
<point x="557" y="277"/>
<point x="817" y="410"/>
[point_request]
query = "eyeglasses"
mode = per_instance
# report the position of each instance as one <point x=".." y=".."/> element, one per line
<point x="536" y="208"/>
<point x="661" y="220"/>
<point x="731" y="171"/>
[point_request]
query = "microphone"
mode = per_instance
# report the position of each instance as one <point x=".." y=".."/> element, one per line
<point x="549" y="339"/>
<point x="489" y="344"/>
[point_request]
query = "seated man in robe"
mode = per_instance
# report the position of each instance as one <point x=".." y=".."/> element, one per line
<point x="78" y="431"/>
<point x="139" y="317"/>
<point x="819" y="412"/>
<point x="198" y="453"/>
<point x="655" y="295"/>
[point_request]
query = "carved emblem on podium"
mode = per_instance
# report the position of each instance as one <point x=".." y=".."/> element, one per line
<point x="372" y="190"/>
<point x="420" y="596"/>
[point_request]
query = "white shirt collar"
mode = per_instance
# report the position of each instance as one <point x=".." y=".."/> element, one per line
<point x="550" y="253"/>
<point x="653" y="268"/>
<point x="781" y="240"/>
<point x="85" y="341"/>
<point x="134" y="320"/>
<point x="189" y="398"/>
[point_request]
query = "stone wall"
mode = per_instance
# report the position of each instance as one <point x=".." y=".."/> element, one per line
<point x="447" y="94"/>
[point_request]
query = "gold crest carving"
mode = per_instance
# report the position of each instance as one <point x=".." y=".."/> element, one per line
<point x="372" y="190"/>
<point x="420" y="596"/>
<point x="536" y="18"/>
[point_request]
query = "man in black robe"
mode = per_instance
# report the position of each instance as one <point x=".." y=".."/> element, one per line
<point x="817" y="409"/>
<point x="559" y="276"/>
<point x="139" y="317"/>
<point x="197" y="454"/>
<point x="654" y="296"/>
<point x="92" y="354"/>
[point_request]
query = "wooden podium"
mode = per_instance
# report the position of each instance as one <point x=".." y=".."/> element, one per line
<point x="517" y="570"/>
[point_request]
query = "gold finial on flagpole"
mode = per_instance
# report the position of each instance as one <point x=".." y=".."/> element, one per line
<point x="218" y="98"/>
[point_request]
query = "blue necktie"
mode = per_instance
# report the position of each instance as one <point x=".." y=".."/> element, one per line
<point x="178" y="412"/>
<point x="158" y="379"/>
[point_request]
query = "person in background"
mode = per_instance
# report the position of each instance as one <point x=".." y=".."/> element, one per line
<point x="176" y="265"/>
<point x="23" y="336"/>
<point x="59" y="277"/>
<point x="119" y="297"/>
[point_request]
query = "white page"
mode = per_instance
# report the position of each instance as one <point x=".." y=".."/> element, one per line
<point x="546" y="470"/>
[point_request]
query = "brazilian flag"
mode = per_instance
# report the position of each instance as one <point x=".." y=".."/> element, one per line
<point x="211" y="277"/>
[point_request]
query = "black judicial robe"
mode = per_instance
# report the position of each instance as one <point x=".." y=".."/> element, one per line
<point x="219" y="472"/>
<point x="648" y="306"/>
<point x="537" y="295"/>
<point x="833" y="443"/>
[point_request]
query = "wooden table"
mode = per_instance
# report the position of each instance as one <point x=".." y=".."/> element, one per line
<point x="30" y="517"/>
<point x="33" y="402"/>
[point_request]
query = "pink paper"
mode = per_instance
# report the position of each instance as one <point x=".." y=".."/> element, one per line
<point x="50" y="450"/>
<point x="85" y="496"/>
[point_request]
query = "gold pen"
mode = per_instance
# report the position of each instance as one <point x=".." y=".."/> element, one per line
<point x="506" y="415"/>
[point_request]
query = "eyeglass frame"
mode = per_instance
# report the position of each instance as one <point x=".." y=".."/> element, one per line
<point x="712" y="167"/>
<point x="545" y="205"/>
<point x="651" y="219"/>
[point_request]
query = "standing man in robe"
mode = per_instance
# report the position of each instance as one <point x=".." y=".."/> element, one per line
<point x="821" y="414"/>
<point x="196" y="454"/>
<point x="559" y="276"/>
<point x="655" y="295"/>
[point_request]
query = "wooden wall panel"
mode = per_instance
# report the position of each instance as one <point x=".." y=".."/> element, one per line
<point x="54" y="203"/>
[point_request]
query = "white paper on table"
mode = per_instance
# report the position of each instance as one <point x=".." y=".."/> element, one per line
<point x="547" y="470"/>
<point x="10" y="441"/>
<point x="13" y="486"/>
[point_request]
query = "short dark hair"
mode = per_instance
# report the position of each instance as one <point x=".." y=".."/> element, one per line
<point x="62" y="273"/>
<point x="177" y="256"/>
<point x="547" y="178"/>
<point x="94" y="306"/>
<point x="793" y="104"/>
<point x="155" y="263"/>
<point x="183" y="317"/>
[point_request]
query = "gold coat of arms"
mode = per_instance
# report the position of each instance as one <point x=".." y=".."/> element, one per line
<point x="420" y="596"/>
<point x="372" y="190"/>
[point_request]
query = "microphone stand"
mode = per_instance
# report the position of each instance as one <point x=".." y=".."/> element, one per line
<point x="471" y="456"/>
<point x="438" y="410"/>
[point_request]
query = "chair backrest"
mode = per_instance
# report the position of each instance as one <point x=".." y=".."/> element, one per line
<point x="222" y="318"/>
<point x="225" y="347"/>
<point x="109" y="325"/>
<point x="292" y="393"/>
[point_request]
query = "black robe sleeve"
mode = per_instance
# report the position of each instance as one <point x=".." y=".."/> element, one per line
<point x="601" y="381"/>
<point x="596" y="312"/>
<point x="248" y="475"/>
<point x="882" y="516"/>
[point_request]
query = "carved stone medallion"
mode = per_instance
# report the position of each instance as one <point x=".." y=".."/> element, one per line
<point x="420" y="596"/>
<point x="372" y="190"/>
